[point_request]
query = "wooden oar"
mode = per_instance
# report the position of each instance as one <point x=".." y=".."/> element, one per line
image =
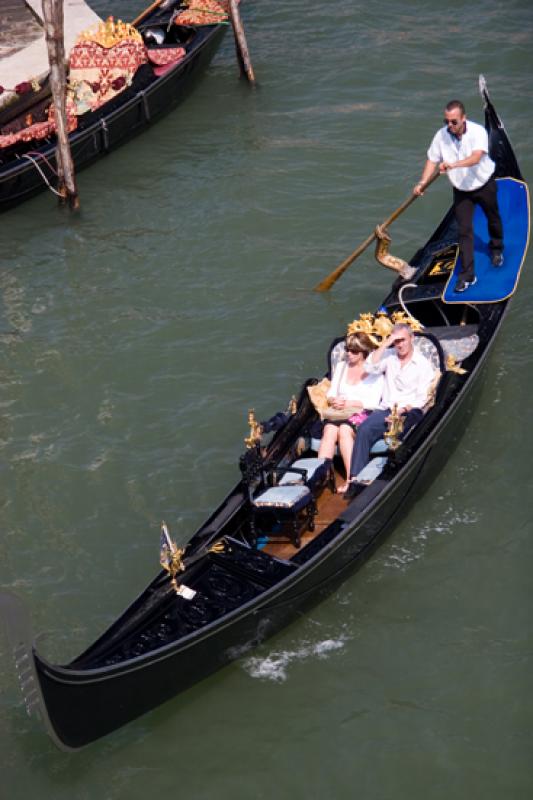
<point x="146" y="11"/>
<point x="327" y="283"/>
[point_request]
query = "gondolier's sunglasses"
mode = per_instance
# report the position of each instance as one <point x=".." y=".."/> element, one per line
<point x="452" y="121"/>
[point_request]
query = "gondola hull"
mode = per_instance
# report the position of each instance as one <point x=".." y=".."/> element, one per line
<point x="107" y="699"/>
<point x="21" y="180"/>
<point x="163" y="644"/>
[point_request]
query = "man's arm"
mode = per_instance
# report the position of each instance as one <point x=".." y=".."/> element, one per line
<point x="471" y="161"/>
<point x="427" y="172"/>
<point x="373" y="363"/>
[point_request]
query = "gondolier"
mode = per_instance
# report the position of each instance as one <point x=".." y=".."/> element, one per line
<point x="461" y="149"/>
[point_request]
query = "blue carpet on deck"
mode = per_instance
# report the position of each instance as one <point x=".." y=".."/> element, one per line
<point x="497" y="283"/>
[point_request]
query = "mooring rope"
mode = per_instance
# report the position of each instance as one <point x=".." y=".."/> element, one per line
<point x="41" y="173"/>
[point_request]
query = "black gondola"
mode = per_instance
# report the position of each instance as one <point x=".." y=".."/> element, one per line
<point x="27" y="167"/>
<point x="234" y="590"/>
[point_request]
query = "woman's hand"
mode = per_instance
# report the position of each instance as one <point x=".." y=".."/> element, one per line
<point x="338" y="402"/>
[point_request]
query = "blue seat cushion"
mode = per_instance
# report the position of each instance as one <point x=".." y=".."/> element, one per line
<point x="316" y="470"/>
<point x="372" y="470"/>
<point x="379" y="447"/>
<point x="289" y="497"/>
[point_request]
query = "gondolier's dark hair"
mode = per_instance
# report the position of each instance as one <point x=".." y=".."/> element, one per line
<point x="456" y="104"/>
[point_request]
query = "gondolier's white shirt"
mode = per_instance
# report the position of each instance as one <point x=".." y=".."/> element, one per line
<point x="404" y="386"/>
<point x="446" y="147"/>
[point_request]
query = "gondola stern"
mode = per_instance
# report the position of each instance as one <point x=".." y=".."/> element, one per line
<point x="17" y="624"/>
<point x="500" y="147"/>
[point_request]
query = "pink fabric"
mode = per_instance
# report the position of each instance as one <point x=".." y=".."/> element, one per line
<point x="164" y="58"/>
<point x="358" y="419"/>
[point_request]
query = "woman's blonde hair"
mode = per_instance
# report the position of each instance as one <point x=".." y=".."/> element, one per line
<point x="359" y="343"/>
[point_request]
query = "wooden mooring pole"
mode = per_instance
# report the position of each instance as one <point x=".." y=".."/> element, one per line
<point x="243" y="54"/>
<point x="53" y="27"/>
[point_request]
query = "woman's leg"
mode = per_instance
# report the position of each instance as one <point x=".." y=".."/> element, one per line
<point x="328" y="441"/>
<point x="346" y="442"/>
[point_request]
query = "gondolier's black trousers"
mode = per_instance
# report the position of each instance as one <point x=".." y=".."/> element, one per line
<point x="464" y="204"/>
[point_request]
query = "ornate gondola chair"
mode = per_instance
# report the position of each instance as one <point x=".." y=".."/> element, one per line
<point x="283" y="499"/>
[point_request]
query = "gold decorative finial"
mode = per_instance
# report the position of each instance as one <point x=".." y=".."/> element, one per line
<point x="396" y="423"/>
<point x="170" y="556"/>
<point x="453" y="366"/>
<point x="256" y="431"/>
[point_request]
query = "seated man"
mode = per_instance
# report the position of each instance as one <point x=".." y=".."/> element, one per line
<point x="408" y="375"/>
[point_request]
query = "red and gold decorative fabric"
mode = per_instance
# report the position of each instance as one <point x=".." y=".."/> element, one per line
<point x="164" y="58"/>
<point x="103" y="62"/>
<point x="40" y="130"/>
<point x="202" y="12"/>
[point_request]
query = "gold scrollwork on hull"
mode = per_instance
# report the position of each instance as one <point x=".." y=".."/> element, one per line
<point x="444" y="262"/>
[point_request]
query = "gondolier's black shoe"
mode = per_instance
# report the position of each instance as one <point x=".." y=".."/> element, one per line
<point x="462" y="285"/>
<point x="496" y="258"/>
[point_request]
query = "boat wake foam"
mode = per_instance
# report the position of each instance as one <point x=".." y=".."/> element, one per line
<point x="274" y="667"/>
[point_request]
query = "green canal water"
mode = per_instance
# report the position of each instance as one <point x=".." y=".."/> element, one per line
<point x="134" y="338"/>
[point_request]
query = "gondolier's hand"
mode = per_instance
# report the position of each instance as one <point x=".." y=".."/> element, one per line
<point x="444" y="166"/>
<point x="418" y="189"/>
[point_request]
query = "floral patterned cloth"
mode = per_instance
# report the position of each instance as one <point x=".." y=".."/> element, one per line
<point x="40" y="130"/>
<point x="102" y="64"/>
<point x="164" y="58"/>
<point x="202" y="12"/>
<point x="97" y="73"/>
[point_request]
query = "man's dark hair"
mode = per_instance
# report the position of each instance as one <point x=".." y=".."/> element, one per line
<point x="456" y="104"/>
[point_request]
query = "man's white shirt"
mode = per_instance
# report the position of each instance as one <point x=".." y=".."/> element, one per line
<point x="446" y="147"/>
<point x="404" y="385"/>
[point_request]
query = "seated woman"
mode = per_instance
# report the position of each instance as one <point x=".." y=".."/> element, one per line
<point x="351" y="387"/>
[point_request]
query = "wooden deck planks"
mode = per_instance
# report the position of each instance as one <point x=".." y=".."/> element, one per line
<point x="329" y="507"/>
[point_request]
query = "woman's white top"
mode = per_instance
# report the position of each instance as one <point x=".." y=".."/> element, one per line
<point x="367" y="391"/>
